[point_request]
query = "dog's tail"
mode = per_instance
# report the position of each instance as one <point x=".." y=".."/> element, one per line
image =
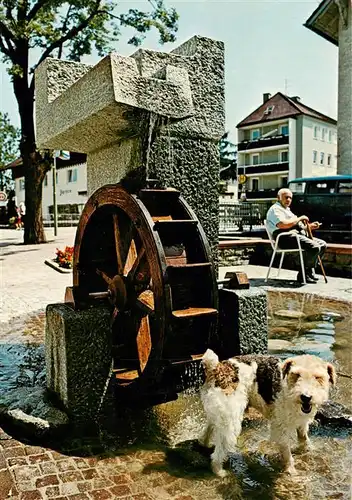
<point x="210" y="360"/>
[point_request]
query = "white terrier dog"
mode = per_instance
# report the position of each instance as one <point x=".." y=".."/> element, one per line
<point x="225" y="397"/>
<point x="288" y="393"/>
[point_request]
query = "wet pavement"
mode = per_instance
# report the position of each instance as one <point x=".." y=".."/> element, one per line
<point x="160" y="460"/>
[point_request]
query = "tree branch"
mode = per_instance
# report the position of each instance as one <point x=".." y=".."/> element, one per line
<point x="63" y="29"/>
<point x="6" y="32"/>
<point x="70" y="34"/>
<point x="36" y="8"/>
<point x="4" y="50"/>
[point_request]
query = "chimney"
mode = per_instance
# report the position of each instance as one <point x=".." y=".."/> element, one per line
<point x="266" y="97"/>
<point x="296" y="98"/>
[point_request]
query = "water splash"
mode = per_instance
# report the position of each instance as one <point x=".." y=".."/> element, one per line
<point x="153" y="118"/>
<point x="169" y="143"/>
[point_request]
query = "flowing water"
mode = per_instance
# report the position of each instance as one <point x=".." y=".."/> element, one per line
<point x="166" y="434"/>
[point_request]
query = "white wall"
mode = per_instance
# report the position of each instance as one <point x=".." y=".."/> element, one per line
<point x="310" y="143"/>
<point x="66" y="192"/>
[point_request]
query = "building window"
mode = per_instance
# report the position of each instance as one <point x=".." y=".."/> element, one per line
<point x="315" y="156"/>
<point x="283" y="156"/>
<point x="46" y="180"/>
<point x="330" y="135"/>
<point x="321" y="158"/>
<point x="72" y="175"/>
<point x="284" y="129"/>
<point x="323" y="131"/>
<point x="255" y="159"/>
<point x="21" y="184"/>
<point x="316" y="129"/>
<point x="255" y="184"/>
<point x="329" y="161"/>
<point x="57" y="177"/>
<point x="283" y="181"/>
<point x="255" y="134"/>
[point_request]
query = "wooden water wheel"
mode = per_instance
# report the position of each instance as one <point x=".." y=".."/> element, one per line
<point x="148" y="255"/>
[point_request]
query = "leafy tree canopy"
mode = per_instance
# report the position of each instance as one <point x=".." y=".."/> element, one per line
<point x="76" y="27"/>
<point x="31" y="31"/>
<point x="9" y="149"/>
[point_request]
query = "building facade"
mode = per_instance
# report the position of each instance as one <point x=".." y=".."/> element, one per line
<point x="71" y="190"/>
<point x="281" y="140"/>
<point x="332" y="20"/>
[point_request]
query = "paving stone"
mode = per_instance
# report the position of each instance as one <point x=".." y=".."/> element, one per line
<point x="79" y="496"/>
<point x="85" y="486"/>
<point x="39" y="458"/>
<point x="121" y="490"/>
<point x="3" y="463"/>
<point x="48" y="467"/>
<point x="16" y="461"/>
<point x="26" y="473"/>
<point x="14" y="452"/>
<point x="121" y="479"/>
<point x="90" y="473"/>
<point x="65" y="465"/>
<point x="69" y="489"/>
<point x="52" y="491"/>
<point x="7" y="486"/>
<point x="100" y="495"/>
<point x="70" y="476"/>
<point x="47" y="481"/>
<point x="31" y="495"/>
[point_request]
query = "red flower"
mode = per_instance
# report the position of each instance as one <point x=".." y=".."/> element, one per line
<point x="65" y="257"/>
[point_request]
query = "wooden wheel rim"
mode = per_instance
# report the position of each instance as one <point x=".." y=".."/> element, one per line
<point x="133" y="208"/>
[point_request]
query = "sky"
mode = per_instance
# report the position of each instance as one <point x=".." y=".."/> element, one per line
<point x="267" y="49"/>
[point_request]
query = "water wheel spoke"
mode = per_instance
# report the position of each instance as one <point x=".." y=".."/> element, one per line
<point x="145" y="301"/>
<point x="136" y="263"/>
<point x="105" y="277"/>
<point x="144" y="343"/>
<point x="131" y="258"/>
<point x="114" y="315"/>
<point x="117" y="237"/>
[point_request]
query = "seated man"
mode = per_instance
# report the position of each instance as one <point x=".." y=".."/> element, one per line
<point x="280" y="219"/>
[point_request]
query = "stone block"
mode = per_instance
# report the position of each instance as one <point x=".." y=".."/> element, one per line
<point x="243" y="326"/>
<point x="78" y="357"/>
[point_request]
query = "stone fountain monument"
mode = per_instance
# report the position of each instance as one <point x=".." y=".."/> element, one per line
<point x="159" y="112"/>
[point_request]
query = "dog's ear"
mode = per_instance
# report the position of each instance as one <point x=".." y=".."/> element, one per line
<point x="332" y="374"/>
<point x="286" y="366"/>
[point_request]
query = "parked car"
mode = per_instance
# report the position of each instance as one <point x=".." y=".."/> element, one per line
<point x="325" y="199"/>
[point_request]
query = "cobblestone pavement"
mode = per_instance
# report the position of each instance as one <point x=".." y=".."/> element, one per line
<point x="87" y="469"/>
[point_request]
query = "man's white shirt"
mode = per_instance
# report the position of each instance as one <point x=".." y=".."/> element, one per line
<point x="277" y="213"/>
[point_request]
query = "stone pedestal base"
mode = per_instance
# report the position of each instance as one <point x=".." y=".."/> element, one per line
<point x="243" y="322"/>
<point x="78" y="358"/>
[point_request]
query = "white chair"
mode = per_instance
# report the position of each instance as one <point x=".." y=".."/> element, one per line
<point x="276" y="250"/>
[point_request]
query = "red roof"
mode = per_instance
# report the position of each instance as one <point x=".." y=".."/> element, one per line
<point x="282" y="107"/>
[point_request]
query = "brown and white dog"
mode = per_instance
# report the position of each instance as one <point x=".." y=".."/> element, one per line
<point x="287" y="393"/>
<point x="224" y="396"/>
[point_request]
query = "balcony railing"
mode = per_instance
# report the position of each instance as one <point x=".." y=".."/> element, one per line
<point x="263" y="168"/>
<point x="263" y="142"/>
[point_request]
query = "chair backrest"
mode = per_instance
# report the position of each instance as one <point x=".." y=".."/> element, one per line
<point x="272" y="241"/>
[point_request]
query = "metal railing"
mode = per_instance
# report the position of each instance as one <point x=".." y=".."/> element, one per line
<point x="242" y="216"/>
<point x="63" y="220"/>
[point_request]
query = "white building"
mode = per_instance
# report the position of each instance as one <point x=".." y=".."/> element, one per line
<point x="71" y="187"/>
<point x="284" y="139"/>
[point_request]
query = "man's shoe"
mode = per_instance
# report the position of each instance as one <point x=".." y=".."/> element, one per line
<point x="311" y="274"/>
<point x="308" y="279"/>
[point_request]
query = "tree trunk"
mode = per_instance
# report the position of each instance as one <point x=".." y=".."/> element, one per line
<point x="33" y="223"/>
<point x="34" y="165"/>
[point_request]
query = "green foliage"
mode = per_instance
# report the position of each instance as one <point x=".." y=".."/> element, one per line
<point x="9" y="141"/>
<point x="75" y="28"/>
<point x="228" y="158"/>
